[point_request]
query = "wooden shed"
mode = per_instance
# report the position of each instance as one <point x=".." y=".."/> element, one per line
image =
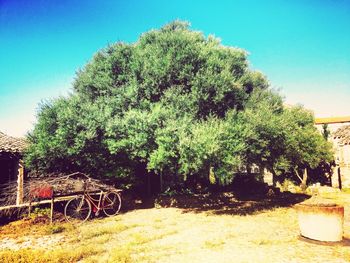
<point x="11" y="164"/>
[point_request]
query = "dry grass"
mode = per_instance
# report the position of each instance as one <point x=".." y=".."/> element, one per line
<point x="179" y="235"/>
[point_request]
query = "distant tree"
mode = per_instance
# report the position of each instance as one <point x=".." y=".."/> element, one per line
<point x="325" y="131"/>
<point x="283" y="140"/>
<point x="306" y="147"/>
<point x="175" y="105"/>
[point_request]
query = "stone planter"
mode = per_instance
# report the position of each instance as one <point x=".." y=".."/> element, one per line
<point x="319" y="220"/>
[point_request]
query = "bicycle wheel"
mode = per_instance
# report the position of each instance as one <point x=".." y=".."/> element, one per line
<point x="111" y="203"/>
<point x="77" y="208"/>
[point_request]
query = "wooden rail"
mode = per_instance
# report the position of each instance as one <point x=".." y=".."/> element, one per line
<point x="46" y="201"/>
<point x="50" y="201"/>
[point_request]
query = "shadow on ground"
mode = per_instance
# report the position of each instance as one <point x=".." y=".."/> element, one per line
<point x="345" y="242"/>
<point x="229" y="203"/>
<point x="216" y="203"/>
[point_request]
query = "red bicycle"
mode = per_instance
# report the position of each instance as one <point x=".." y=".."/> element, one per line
<point x="81" y="206"/>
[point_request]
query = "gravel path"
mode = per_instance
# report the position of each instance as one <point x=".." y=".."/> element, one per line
<point x="44" y="242"/>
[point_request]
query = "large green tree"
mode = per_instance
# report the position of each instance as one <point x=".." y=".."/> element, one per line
<point x="175" y="104"/>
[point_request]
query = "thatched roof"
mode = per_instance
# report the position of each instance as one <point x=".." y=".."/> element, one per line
<point x="343" y="133"/>
<point x="332" y="120"/>
<point x="11" y="144"/>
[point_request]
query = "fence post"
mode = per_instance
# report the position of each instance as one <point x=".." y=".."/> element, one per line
<point x="20" y="178"/>
<point x="51" y="214"/>
<point x="30" y="207"/>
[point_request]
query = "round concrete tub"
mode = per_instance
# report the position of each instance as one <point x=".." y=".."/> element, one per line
<point x="321" y="221"/>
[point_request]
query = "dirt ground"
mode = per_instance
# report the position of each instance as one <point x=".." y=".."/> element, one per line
<point x="206" y="228"/>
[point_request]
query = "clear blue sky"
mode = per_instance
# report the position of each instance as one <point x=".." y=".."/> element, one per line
<point x="302" y="46"/>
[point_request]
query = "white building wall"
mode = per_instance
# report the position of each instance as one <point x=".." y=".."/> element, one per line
<point x="341" y="155"/>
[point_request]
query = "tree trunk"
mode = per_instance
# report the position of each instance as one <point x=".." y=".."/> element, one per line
<point x="339" y="179"/>
<point x="142" y="174"/>
<point x="297" y="174"/>
<point x="161" y="181"/>
<point x="148" y="184"/>
<point x="249" y="169"/>
<point x="274" y="177"/>
<point x="303" y="184"/>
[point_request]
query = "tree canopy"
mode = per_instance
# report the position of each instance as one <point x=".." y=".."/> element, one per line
<point x="176" y="104"/>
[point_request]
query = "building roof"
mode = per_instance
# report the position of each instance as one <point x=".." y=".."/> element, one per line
<point x="343" y="134"/>
<point x="11" y="144"/>
<point x="331" y="120"/>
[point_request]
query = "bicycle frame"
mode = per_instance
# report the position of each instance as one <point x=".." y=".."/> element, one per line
<point x="96" y="203"/>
